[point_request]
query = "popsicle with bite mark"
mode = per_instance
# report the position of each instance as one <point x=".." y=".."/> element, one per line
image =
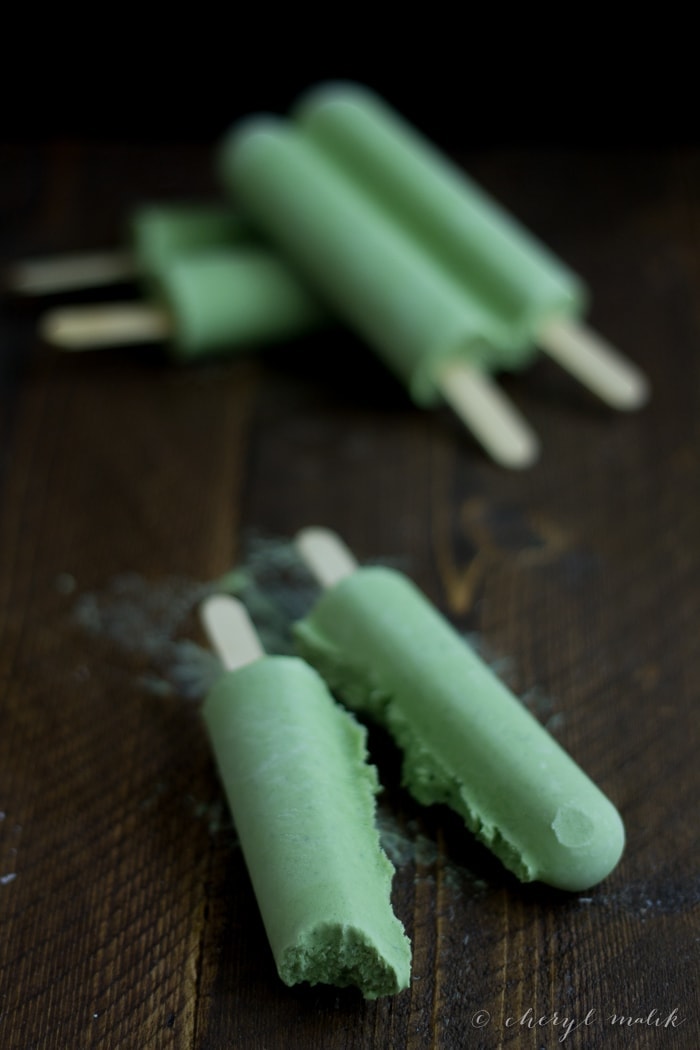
<point x="294" y="767"/>
<point x="466" y="740"/>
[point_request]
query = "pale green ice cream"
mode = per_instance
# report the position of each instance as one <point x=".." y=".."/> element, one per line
<point x="221" y="300"/>
<point x="403" y="246"/>
<point x="158" y="233"/>
<point x="302" y="796"/>
<point x="349" y="249"/>
<point x="467" y="741"/>
<point x="221" y="288"/>
<point x="465" y="230"/>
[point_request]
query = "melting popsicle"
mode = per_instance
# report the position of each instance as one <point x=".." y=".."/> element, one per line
<point x="302" y="796"/>
<point x="442" y="283"/>
<point x="467" y="741"/>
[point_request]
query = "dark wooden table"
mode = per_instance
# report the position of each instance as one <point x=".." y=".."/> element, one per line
<point x="128" y="486"/>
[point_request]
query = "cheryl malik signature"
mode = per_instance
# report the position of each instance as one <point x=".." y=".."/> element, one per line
<point x="566" y="1024"/>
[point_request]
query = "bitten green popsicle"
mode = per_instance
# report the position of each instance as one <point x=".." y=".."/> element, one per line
<point x="467" y="741"/>
<point x="435" y="276"/>
<point x="302" y="795"/>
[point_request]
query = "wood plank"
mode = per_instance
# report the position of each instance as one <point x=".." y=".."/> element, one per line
<point x="128" y="486"/>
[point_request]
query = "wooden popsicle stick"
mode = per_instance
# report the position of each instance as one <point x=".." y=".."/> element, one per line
<point x="596" y="364"/>
<point x="104" y="325"/>
<point x="230" y="631"/>
<point x="63" y="273"/>
<point x="492" y="418"/>
<point x="325" y="554"/>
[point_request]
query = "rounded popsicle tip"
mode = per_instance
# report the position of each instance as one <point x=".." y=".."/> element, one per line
<point x="330" y="92"/>
<point x="254" y="122"/>
<point x="586" y="842"/>
<point x="242" y="137"/>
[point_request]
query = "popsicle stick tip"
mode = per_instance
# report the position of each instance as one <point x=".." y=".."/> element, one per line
<point x="230" y="631"/>
<point x="61" y="273"/>
<point x="325" y="554"/>
<point x="490" y="415"/>
<point x="517" y="448"/>
<point x="56" y="329"/>
<point x="104" y="325"/>
<point x="594" y="362"/>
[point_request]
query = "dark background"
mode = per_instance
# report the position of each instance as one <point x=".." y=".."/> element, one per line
<point x="473" y="78"/>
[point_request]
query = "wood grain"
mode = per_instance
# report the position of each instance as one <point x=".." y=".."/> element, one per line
<point x="126" y="915"/>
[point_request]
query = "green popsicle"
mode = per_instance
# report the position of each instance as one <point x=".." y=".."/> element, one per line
<point x="294" y="767"/>
<point x="465" y="231"/>
<point x="218" y="301"/>
<point x="154" y="234"/>
<point x="160" y="233"/>
<point x="378" y="277"/>
<point x="220" y="288"/>
<point x="440" y="281"/>
<point x="467" y="741"/>
<point x="210" y="288"/>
